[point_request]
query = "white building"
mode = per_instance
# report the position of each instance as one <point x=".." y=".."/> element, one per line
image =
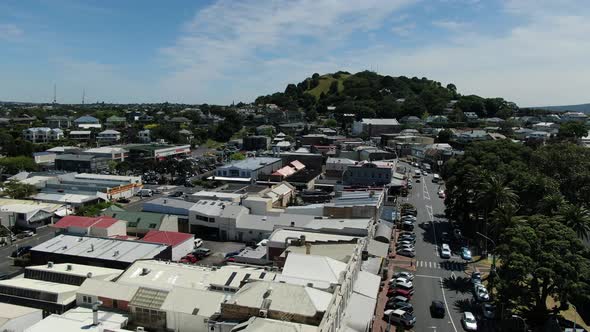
<point x="111" y="152"/>
<point x="42" y="134"/>
<point x="28" y="214"/>
<point x="82" y="320"/>
<point x="181" y="243"/>
<point x="574" y="116"/>
<point x="375" y="127"/>
<point x="145" y="136"/>
<point x="249" y="168"/>
<point x="16" y="318"/>
<point x="108" y="136"/>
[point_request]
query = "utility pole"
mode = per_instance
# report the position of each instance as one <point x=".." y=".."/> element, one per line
<point x="54" y="93"/>
<point x="83" y="95"/>
<point x="493" y="270"/>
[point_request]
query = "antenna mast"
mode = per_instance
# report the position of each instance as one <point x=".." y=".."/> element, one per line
<point x="83" y="95"/>
<point x="54" y="93"/>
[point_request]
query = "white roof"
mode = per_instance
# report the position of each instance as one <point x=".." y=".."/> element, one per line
<point x="10" y="311"/>
<point x="80" y="132"/>
<point x="109" y="132"/>
<point x="167" y="276"/>
<point x="390" y="122"/>
<point x="218" y="195"/>
<point x="299" y="300"/>
<point x="321" y="271"/>
<point x="280" y="235"/>
<point x="79" y="270"/>
<point x="187" y="300"/>
<point x="268" y="223"/>
<point x="358" y="313"/>
<point x="106" y="149"/>
<point x="17" y="204"/>
<point x="102" y="248"/>
<point x="338" y="251"/>
<point x="61" y="148"/>
<point x="108" y="289"/>
<point x="367" y="284"/>
<point x="258" y="324"/>
<point x="123" y="178"/>
<point x="80" y="319"/>
<point x="210" y="207"/>
<point x="63" y="197"/>
<point x="65" y="293"/>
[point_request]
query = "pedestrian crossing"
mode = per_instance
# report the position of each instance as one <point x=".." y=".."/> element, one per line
<point x="445" y="265"/>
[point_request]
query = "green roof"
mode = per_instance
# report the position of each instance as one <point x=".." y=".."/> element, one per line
<point x="135" y="219"/>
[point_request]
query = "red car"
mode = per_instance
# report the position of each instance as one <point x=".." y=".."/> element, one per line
<point x="190" y="258"/>
<point x="400" y="291"/>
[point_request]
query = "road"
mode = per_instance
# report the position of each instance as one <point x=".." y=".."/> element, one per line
<point x="6" y="262"/>
<point x="436" y="278"/>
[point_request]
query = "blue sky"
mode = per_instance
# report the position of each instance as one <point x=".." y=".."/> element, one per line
<point x="533" y="52"/>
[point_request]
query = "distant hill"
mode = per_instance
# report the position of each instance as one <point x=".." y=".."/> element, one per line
<point x="585" y="108"/>
<point x="368" y="95"/>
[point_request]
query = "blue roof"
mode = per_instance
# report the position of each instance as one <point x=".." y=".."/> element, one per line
<point x="86" y="119"/>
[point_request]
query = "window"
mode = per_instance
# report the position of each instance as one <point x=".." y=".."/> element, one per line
<point x="153" y="225"/>
<point x="86" y="299"/>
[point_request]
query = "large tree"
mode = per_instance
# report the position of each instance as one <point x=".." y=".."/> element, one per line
<point x="577" y="218"/>
<point x="541" y="258"/>
<point x="18" y="190"/>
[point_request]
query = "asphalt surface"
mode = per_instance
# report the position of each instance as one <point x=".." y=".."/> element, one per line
<point x="6" y="262"/>
<point x="436" y="278"/>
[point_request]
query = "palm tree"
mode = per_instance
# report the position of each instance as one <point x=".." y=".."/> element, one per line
<point x="503" y="217"/>
<point x="577" y="218"/>
<point x="493" y="192"/>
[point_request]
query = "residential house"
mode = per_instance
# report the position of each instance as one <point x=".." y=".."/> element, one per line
<point x="179" y="121"/>
<point x="473" y="135"/>
<point x="28" y="214"/>
<point x="549" y="127"/>
<point x="470" y="116"/>
<point x="437" y="119"/>
<point x="187" y="134"/>
<point x="116" y="122"/>
<point x="411" y="120"/>
<point x="139" y="223"/>
<point x="144" y="136"/>
<point x="254" y="143"/>
<point x="42" y="134"/>
<point x="87" y="122"/>
<point x="574" y="116"/>
<point x="103" y="226"/>
<point x="58" y="121"/>
<point x="108" y="136"/>
<point x="80" y="135"/>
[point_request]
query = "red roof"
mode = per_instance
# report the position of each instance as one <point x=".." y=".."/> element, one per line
<point x="85" y="222"/>
<point x="170" y="238"/>
<point x="298" y="165"/>
<point x="285" y="171"/>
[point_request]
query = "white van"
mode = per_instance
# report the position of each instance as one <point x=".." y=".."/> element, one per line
<point x="145" y="193"/>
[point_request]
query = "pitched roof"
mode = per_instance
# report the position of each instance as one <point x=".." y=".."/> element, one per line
<point x="77" y="221"/>
<point x="86" y="119"/>
<point x="136" y="219"/>
<point x="170" y="238"/>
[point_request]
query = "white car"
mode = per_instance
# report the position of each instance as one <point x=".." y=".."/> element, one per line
<point x="481" y="293"/>
<point x="445" y="251"/>
<point x="405" y="275"/>
<point x="468" y="321"/>
<point x="198" y="242"/>
<point x="399" y="280"/>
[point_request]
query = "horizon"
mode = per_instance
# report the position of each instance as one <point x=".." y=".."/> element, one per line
<point x="216" y="52"/>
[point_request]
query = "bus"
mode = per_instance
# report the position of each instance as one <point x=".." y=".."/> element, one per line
<point x="417" y="173"/>
<point x="436" y="178"/>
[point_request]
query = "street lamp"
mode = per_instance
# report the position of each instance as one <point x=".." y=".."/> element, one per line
<point x="493" y="271"/>
<point x="523" y="321"/>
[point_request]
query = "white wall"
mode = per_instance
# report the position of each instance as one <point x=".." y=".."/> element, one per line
<point x="258" y="206"/>
<point x="78" y="230"/>
<point x="183" y="249"/>
<point x="118" y="228"/>
<point x="22" y="323"/>
<point x="176" y="321"/>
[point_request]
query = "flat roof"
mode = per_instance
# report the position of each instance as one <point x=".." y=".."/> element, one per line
<point x="121" y="178"/>
<point x="106" y="149"/>
<point x="338" y="251"/>
<point x="168" y="275"/>
<point x="78" y="270"/>
<point x="67" y="156"/>
<point x="176" y="203"/>
<point x="214" y="194"/>
<point x="80" y="319"/>
<point x="189" y="301"/>
<point x="389" y="122"/>
<point x="10" y="311"/>
<point x="302" y="269"/>
<point x="65" y="293"/>
<point x="101" y="248"/>
<point x="280" y="235"/>
<point x="258" y="324"/>
<point x="210" y="207"/>
<point x="64" y="197"/>
<point x="108" y="289"/>
<point x="252" y="163"/>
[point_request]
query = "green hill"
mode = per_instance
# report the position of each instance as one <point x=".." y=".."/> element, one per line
<point x="324" y="84"/>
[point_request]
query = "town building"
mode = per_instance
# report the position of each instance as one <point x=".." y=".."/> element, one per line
<point x="51" y="287"/>
<point x="82" y="320"/>
<point x="111" y="152"/>
<point x="91" y="226"/>
<point x="144" y="136"/>
<point x="249" y="169"/>
<point x="81" y="163"/>
<point x="254" y="143"/>
<point x="42" y="134"/>
<point x="139" y="152"/>
<point x="181" y="243"/>
<point x="16" y="318"/>
<point x="368" y="174"/>
<point x="375" y="127"/>
<point x="28" y="214"/>
<point x="107" y="252"/>
<point x="139" y="223"/>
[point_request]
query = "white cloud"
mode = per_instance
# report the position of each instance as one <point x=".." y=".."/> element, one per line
<point x="230" y="37"/>
<point x="10" y="32"/>
<point x="450" y="25"/>
<point x="404" y="30"/>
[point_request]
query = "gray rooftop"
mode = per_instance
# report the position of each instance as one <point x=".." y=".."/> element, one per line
<point x="102" y="248"/>
<point x="252" y="163"/>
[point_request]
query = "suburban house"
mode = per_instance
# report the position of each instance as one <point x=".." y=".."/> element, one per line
<point x="58" y="121"/>
<point x="87" y="122"/>
<point x="108" y="136"/>
<point x="42" y="134"/>
<point x="116" y="122"/>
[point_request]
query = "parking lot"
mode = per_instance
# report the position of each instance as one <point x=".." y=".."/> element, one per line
<point x="7" y="263"/>
<point x="218" y="251"/>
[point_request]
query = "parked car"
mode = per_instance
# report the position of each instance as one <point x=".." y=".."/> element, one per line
<point x="400" y="298"/>
<point x="437" y="309"/>
<point x="403" y="291"/>
<point x="466" y="253"/>
<point x="190" y="258"/>
<point x="407" y="226"/>
<point x="406" y="252"/>
<point x="398" y="316"/>
<point x="202" y="252"/>
<point x="123" y="200"/>
<point x="468" y="321"/>
<point x="481" y="293"/>
<point x="232" y="254"/>
<point x="21" y="251"/>
<point x="28" y="233"/>
<point x="488" y="310"/>
<point x="177" y="194"/>
<point x="405" y="306"/>
<point x="406" y="275"/>
<point x="445" y="237"/>
<point x="401" y="283"/>
<point x="476" y="278"/>
<point x="445" y="251"/>
<point x="441" y="194"/>
<point x="198" y="242"/>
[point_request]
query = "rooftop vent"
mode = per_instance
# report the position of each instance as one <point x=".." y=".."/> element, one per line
<point x="145" y="271"/>
<point x="49" y="264"/>
<point x="89" y="275"/>
<point x="69" y="267"/>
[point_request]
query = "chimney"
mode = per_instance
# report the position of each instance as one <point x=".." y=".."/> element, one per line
<point x="95" y="306"/>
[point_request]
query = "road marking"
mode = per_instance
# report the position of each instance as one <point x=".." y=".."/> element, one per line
<point x="425" y="191"/>
<point x="447" y="305"/>
<point x="427" y="276"/>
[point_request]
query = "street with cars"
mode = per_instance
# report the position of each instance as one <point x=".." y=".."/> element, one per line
<point x="440" y="289"/>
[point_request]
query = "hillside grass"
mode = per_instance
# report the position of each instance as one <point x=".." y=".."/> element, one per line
<point x="324" y="85"/>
